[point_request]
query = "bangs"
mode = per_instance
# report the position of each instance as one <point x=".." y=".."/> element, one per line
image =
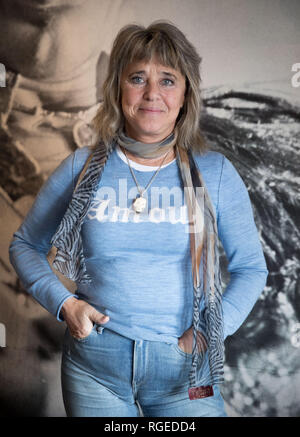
<point x="146" y="46"/>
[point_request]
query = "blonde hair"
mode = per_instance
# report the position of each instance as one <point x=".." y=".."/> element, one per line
<point x="169" y="46"/>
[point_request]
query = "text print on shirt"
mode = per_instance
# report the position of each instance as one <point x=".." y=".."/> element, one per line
<point x="167" y="205"/>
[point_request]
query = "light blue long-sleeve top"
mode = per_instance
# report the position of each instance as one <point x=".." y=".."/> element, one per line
<point x="140" y="264"/>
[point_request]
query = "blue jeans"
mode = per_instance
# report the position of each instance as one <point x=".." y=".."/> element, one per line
<point x="109" y="375"/>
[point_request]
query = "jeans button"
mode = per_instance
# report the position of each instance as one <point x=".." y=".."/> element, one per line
<point x="100" y="329"/>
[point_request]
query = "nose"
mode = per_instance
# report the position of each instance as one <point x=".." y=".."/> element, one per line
<point x="152" y="91"/>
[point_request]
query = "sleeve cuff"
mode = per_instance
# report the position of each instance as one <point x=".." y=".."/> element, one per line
<point x="59" y="317"/>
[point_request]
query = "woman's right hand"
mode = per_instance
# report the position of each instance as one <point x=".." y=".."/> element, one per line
<point x="80" y="317"/>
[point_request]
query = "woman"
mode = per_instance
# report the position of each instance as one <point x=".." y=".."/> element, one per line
<point x="147" y="325"/>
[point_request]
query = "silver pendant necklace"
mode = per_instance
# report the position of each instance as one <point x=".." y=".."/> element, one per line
<point x="139" y="203"/>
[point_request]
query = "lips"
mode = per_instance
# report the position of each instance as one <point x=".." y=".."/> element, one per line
<point x="153" y="110"/>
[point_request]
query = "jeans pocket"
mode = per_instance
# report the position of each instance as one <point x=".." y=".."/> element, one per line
<point x="180" y="351"/>
<point x="84" y="339"/>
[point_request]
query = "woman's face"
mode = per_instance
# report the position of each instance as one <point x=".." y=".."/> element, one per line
<point x="151" y="97"/>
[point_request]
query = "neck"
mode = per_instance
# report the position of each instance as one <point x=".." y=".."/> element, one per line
<point x="151" y="154"/>
<point x="155" y="162"/>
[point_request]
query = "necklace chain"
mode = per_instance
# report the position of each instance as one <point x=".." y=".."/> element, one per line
<point x="152" y="178"/>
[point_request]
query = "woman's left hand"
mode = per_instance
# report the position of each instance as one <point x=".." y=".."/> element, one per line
<point x="185" y="342"/>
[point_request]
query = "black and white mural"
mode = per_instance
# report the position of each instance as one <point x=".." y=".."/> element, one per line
<point x="53" y="56"/>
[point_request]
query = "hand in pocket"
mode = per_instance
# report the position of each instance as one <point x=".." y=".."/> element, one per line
<point x="80" y="317"/>
<point x="185" y="342"/>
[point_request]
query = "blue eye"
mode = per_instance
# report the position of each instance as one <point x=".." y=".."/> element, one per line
<point x="168" y="82"/>
<point x="137" y="79"/>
